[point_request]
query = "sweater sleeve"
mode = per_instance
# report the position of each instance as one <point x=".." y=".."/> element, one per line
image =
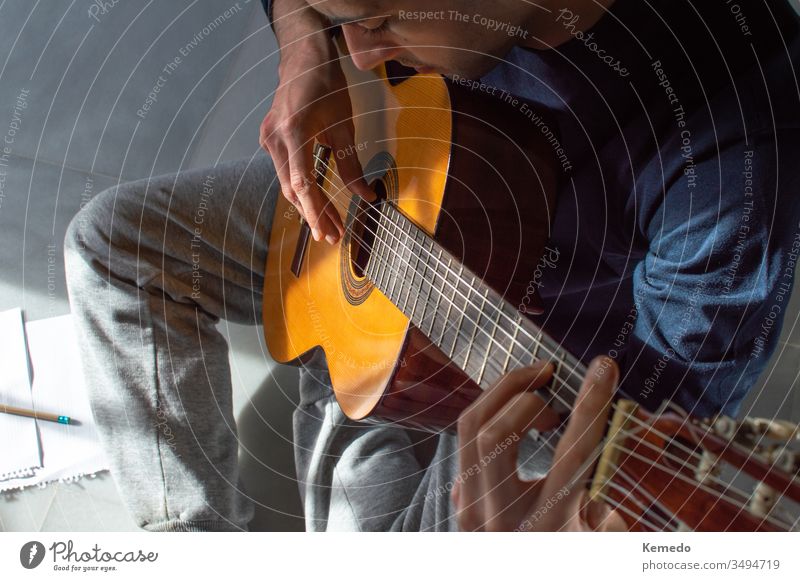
<point x="714" y="286"/>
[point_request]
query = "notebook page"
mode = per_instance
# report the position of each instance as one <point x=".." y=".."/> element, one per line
<point x="19" y="441"/>
<point x="68" y="451"/>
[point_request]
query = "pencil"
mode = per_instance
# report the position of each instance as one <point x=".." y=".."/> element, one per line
<point x="34" y="414"/>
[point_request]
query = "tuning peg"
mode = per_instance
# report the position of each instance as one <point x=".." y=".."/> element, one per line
<point x="763" y="500"/>
<point x="785" y="459"/>
<point x="670" y="406"/>
<point x="707" y="467"/>
<point x="725" y="427"/>
<point x="782" y="430"/>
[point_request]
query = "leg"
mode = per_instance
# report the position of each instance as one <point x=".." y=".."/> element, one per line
<point x="352" y="476"/>
<point x="151" y="267"/>
<point x="364" y="477"/>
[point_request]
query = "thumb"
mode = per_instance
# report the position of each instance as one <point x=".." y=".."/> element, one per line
<point x="350" y="170"/>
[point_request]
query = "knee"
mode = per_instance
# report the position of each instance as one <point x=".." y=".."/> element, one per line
<point x="91" y="224"/>
<point x="97" y="228"/>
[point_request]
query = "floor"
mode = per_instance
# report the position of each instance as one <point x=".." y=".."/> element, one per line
<point x="85" y="75"/>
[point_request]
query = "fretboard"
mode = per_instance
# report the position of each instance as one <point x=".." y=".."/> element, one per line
<point x="481" y="332"/>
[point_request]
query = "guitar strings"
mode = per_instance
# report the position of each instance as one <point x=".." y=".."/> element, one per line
<point x="549" y="351"/>
<point x="772" y="515"/>
<point x="697" y="483"/>
<point x="630" y="495"/>
<point x="573" y="371"/>
<point x="739" y="502"/>
<point x="636" y="517"/>
<point x="452" y="303"/>
<point x="776" y="509"/>
<point x="666" y="524"/>
<point x="496" y="366"/>
<point x="711" y="478"/>
<point x="647" y="443"/>
<point x="546" y="442"/>
<point x="719" y="496"/>
<point x="730" y="493"/>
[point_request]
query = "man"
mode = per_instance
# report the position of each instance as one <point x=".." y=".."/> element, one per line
<point x="673" y="250"/>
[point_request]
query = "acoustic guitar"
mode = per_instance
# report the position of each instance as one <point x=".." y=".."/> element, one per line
<point x="426" y="301"/>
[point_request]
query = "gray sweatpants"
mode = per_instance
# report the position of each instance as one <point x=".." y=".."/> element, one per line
<point x="152" y="265"/>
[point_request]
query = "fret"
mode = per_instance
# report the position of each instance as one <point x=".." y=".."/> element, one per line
<point x="379" y="272"/>
<point x="476" y="325"/>
<point x="491" y="341"/>
<point x="372" y="266"/>
<point x="395" y="254"/>
<point x="380" y="263"/>
<point x="435" y="313"/>
<point x="557" y="384"/>
<point x="427" y="276"/>
<point x="522" y="347"/>
<point x="386" y="254"/>
<point x="560" y="368"/>
<point x="445" y="289"/>
<point x="407" y="265"/>
<point x="466" y="335"/>
<point x="401" y="263"/>
<point x="389" y="254"/>
<point x="517" y="324"/>
<point x="461" y="318"/>
<point x="537" y="343"/>
<point x="417" y="250"/>
<point x="574" y="372"/>
<point x="557" y="371"/>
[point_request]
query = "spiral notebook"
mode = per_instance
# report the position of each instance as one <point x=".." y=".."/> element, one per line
<point x="67" y="451"/>
<point x="20" y="452"/>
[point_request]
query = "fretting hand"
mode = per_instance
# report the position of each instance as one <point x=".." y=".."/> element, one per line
<point x="493" y="497"/>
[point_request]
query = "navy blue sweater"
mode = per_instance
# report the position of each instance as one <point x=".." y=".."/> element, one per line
<point x="678" y="222"/>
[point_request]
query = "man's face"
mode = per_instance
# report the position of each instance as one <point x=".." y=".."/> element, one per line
<point x="450" y="37"/>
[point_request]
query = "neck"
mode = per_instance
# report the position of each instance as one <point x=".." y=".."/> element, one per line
<point x="554" y="23"/>
<point x="475" y="327"/>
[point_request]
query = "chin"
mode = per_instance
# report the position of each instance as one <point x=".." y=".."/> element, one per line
<point x="471" y="73"/>
<point x="471" y="70"/>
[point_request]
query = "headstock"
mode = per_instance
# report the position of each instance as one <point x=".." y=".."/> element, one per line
<point x="671" y="471"/>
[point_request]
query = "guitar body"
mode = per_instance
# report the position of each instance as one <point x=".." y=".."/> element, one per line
<point x="468" y="169"/>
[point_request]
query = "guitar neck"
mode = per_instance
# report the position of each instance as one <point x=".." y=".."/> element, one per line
<point x="481" y="332"/>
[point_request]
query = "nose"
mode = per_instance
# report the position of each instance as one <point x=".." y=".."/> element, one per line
<point x="365" y="52"/>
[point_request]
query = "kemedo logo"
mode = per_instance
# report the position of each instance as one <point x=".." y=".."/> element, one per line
<point x="31" y="554"/>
